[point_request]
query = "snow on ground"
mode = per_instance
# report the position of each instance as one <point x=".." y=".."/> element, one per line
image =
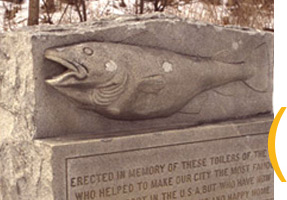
<point x="20" y="17"/>
<point x="95" y="10"/>
<point x="100" y="8"/>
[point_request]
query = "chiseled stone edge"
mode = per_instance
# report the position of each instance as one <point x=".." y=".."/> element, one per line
<point x="17" y="98"/>
<point x="22" y="162"/>
<point x="116" y="20"/>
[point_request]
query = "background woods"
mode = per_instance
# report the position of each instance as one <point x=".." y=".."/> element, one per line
<point x="252" y="13"/>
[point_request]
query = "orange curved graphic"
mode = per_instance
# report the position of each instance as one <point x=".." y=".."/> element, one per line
<point x="271" y="144"/>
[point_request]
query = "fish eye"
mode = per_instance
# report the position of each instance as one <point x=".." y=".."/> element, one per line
<point x="88" y="51"/>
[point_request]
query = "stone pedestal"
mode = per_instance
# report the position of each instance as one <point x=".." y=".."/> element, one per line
<point x="223" y="161"/>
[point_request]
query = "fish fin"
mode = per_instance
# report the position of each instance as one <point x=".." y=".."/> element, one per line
<point x="256" y="63"/>
<point x="230" y="89"/>
<point x="195" y="105"/>
<point x="221" y="55"/>
<point x="152" y="84"/>
<point x="228" y="92"/>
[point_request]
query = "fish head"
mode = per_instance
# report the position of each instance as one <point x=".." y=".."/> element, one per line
<point x="90" y="67"/>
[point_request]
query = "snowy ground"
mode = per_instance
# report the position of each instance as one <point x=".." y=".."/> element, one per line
<point x="19" y="20"/>
<point x="95" y="9"/>
<point x="101" y="8"/>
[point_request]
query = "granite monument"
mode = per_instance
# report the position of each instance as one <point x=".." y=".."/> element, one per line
<point x="136" y="108"/>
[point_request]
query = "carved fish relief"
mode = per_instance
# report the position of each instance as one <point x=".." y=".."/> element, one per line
<point x="133" y="83"/>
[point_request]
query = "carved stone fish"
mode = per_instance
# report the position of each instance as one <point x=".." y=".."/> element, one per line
<point x="132" y="83"/>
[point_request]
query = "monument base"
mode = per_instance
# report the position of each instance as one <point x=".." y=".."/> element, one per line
<point x="225" y="161"/>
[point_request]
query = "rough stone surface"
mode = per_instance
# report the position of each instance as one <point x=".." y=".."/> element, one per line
<point x="25" y="171"/>
<point x="17" y="87"/>
<point x="27" y="101"/>
<point x="205" y="157"/>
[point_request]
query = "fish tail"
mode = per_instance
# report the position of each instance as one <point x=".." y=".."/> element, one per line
<point x="257" y="68"/>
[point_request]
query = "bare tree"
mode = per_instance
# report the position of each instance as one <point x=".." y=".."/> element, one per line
<point x="50" y="5"/>
<point x="84" y="10"/>
<point x="159" y="5"/>
<point x="33" y="15"/>
<point x="49" y="8"/>
<point x="123" y="4"/>
<point x="141" y="6"/>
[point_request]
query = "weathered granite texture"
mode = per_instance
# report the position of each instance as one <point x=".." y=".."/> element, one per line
<point x="21" y="160"/>
<point x="33" y="109"/>
<point x="25" y="171"/>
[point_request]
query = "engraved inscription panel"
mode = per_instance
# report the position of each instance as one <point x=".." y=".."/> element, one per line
<point x="236" y="168"/>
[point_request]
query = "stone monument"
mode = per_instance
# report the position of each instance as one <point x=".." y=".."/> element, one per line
<point x="136" y="108"/>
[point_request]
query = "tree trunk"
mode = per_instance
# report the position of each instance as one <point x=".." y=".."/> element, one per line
<point x="50" y="6"/>
<point x="84" y="10"/>
<point x="123" y="4"/>
<point x="141" y="6"/>
<point x="162" y="7"/>
<point x="156" y="6"/>
<point x="137" y="6"/>
<point x="33" y="15"/>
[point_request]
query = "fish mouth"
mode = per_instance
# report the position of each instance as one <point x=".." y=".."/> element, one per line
<point x="73" y="69"/>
